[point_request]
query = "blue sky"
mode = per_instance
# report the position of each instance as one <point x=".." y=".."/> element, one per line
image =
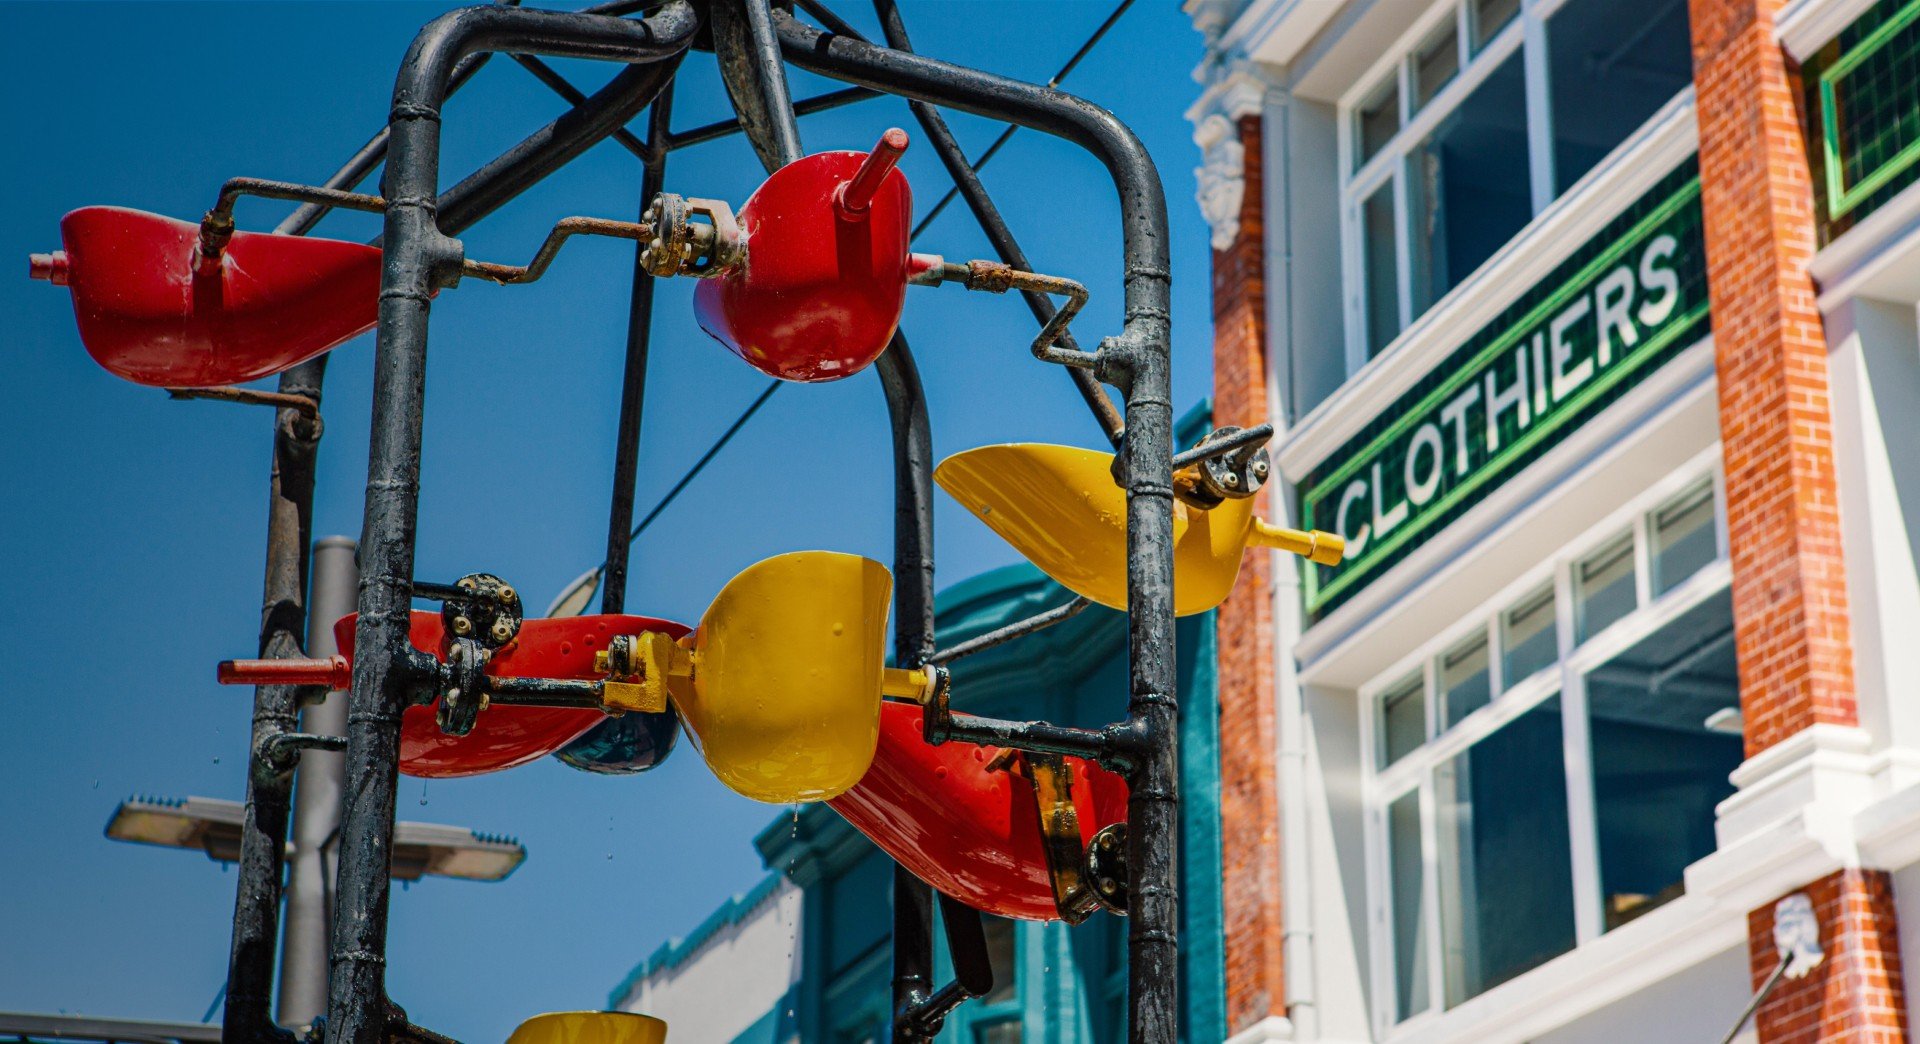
<point x="132" y="533"/>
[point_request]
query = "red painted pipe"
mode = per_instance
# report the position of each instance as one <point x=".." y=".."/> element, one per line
<point x="857" y="195"/>
<point x="334" y="672"/>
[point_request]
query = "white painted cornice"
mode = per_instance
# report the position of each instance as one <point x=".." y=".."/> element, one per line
<point x="1271" y="1028"/>
<point x="1805" y="26"/>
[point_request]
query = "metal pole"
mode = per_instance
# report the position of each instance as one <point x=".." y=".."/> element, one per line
<point x="256" y="902"/>
<point x="316" y="798"/>
<point x="633" y="386"/>
<point x="1137" y="362"/>
<point x="418" y="259"/>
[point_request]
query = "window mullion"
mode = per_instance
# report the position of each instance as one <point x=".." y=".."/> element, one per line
<point x="1430" y="893"/>
<point x="1584" y="840"/>
<point x="1402" y="241"/>
<point x="1539" y="115"/>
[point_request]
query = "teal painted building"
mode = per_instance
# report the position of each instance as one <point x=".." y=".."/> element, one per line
<point x="827" y="893"/>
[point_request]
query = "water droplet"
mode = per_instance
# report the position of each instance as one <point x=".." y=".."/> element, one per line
<point x="216" y="759"/>
<point x="423" y="792"/>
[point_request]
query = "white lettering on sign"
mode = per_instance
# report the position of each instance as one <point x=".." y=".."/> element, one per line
<point x="1548" y="367"/>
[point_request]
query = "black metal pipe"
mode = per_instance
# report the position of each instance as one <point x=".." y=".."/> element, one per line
<point x="1137" y="362"/>
<point x="966" y="180"/>
<point x="248" y="1018"/>
<point x="633" y="382"/>
<point x="419" y="258"/>
<point x="755" y="78"/>
<point x="574" y="96"/>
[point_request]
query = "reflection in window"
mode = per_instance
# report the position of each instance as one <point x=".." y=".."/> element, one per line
<point x="1379" y="120"/>
<point x="1410" y="949"/>
<point x="1000" y="957"/>
<point x="1506" y="876"/>
<point x="1435" y="63"/>
<point x="1465" y="683"/>
<point x="1684" y="541"/>
<point x="1007" y="1032"/>
<point x="1403" y="719"/>
<point x="1470" y="190"/>
<point x="1658" y="771"/>
<point x="1603" y="588"/>
<point x="1382" y="279"/>
<point x="1528" y="643"/>
<point x="1611" y="65"/>
<point x="1489" y="17"/>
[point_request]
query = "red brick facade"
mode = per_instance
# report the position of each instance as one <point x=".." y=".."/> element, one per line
<point x="1249" y="807"/>
<point x="1789" y="585"/>
<point x="1855" y="995"/>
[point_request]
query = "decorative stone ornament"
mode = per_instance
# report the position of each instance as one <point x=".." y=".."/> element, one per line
<point x="1221" y="176"/>
<point x="1796" y="934"/>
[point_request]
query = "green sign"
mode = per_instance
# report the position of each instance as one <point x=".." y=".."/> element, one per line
<point x="1628" y="300"/>
<point x="1864" y="99"/>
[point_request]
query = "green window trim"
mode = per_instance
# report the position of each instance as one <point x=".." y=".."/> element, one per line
<point x="1843" y="198"/>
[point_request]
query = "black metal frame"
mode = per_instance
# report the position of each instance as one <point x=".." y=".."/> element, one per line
<point x="752" y="41"/>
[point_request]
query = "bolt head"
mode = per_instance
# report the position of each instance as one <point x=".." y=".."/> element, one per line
<point x="502" y="630"/>
<point x="1260" y="469"/>
<point x="1230" y="480"/>
<point x="466" y="583"/>
<point x="462" y="625"/>
<point x="509" y="595"/>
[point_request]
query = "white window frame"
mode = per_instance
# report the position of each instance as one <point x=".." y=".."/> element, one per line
<point x="1527" y="33"/>
<point x="1567" y="680"/>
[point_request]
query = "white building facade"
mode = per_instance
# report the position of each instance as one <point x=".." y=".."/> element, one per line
<point x="1591" y="325"/>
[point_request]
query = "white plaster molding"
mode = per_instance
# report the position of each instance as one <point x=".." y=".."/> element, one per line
<point x="1271" y="1028"/>
<point x="1221" y="178"/>
<point x="1806" y="25"/>
<point x="1667" y="139"/>
<point x="1873" y="258"/>
<point x="1276" y="31"/>
<point x="1618" y="964"/>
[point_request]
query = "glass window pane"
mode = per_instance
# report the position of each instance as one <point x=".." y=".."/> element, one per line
<point x="1489" y="17"/>
<point x="1603" y="587"/>
<point x="1007" y="1032"/>
<point x="1379" y="119"/>
<point x="1382" y="269"/>
<point x="1506" y="872"/>
<point x="1683" y="536"/>
<point x="1411" y="945"/>
<point x="1658" y="771"/>
<point x="1470" y="190"/>
<point x="1435" y="63"/>
<point x="1610" y="65"/>
<point x="1465" y="683"/>
<point x="1528" y="643"/>
<point x="1403" y="720"/>
<point x="1000" y="957"/>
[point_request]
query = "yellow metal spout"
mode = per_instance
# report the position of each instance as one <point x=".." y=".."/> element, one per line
<point x="590" y="1027"/>
<point x="1059" y="506"/>
<point x="780" y="686"/>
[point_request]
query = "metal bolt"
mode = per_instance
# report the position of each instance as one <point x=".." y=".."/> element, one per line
<point x="508" y="594"/>
<point x="502" y="630"/>
<point x="466" y="583"/>
<point x="462" y="625"/>
<point x="1230" y="480"/>
<point x="1259" y="469"/>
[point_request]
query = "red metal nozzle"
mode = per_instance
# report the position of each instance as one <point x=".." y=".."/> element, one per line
<point x="858" y="194"/>
<point x="50" y="268"/>
<point x="334" y="672"/>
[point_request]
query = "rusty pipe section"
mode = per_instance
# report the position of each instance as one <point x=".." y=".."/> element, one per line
<point x="562" y="231"/>
<point x="994" y="277"/>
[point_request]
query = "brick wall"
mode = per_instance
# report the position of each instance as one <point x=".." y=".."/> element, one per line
<point x="1855" y="996"/>
<point x="1249" y="813"/>
<point x="1789" y="588"/>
